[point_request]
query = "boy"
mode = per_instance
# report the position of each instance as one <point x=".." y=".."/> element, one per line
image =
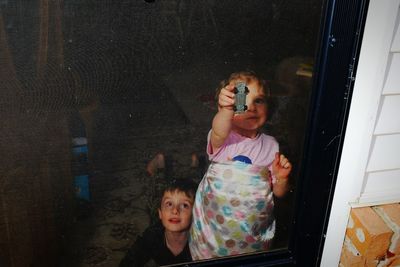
<point x="166" y="242"/>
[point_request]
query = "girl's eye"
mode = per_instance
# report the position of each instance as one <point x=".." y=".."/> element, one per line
<point x="259" y="101"/>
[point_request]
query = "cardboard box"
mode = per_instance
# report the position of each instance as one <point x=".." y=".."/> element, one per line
<point x="369" y="233"/>
<point x="395" y="262"/>
<point x="390" y="214"/>
<point x="350" y="256"/>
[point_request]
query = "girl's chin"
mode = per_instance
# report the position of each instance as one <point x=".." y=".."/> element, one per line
<point x="248" y="132"/>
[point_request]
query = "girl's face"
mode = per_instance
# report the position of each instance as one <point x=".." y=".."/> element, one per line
<point x="249" y="122"/>
<point x="176" y="211"/>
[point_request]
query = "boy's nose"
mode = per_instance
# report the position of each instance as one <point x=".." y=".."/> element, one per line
<point x="175" y="210"/>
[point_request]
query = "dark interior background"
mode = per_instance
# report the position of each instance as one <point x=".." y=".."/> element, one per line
<point x="134" y="78"/>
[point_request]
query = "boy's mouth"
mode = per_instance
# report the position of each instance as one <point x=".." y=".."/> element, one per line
<point x="174" y="220"/>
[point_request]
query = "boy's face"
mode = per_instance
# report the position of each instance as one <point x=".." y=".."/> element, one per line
<point x="176" y="211"/>
<point x="249" y="122"/>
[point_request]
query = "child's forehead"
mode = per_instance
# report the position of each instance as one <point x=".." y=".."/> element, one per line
<point x="246" y="79"/>
<point x="176" y="194"/>
<point x="250" y="82"/>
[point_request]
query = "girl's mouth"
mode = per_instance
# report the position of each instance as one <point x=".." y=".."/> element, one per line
<point x="251" y="118"/>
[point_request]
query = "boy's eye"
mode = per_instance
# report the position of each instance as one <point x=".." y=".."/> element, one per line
<point x="168" y="204"/>
<point x="185" y="206"/>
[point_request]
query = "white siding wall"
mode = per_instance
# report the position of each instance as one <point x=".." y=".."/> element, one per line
<point x="382" y="180"/>
<point x="369" y="171"/>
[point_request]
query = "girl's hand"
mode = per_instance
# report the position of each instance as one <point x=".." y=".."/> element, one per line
<point x="226" y="98"/>
<point x="281" y="167"/>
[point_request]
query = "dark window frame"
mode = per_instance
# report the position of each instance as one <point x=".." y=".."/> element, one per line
<point x="336" y="61"/>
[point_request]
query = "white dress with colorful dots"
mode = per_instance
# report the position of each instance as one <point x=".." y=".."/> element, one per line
<point x="233" y="211"/>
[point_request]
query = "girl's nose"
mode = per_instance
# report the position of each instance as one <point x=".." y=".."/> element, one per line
<point x="250" y="106"/>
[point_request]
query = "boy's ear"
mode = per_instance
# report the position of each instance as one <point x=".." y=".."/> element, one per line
<point x="159" y="214"/>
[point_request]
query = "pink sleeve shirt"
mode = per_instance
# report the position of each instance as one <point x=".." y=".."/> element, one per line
<point x="260" y="150"/>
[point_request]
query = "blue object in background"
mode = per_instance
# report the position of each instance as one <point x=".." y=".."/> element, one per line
<point x="80" y="168"/>
<point x="80" y="150"/>
<point x="82" y="187"/>
<point x="79" y="162"/>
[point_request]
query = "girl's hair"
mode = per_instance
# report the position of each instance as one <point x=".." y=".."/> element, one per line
<point x="246" y="76"/>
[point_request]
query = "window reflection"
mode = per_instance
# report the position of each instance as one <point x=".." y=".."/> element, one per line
<point x="93" y="91"/>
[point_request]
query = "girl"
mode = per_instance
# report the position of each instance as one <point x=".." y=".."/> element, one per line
<point x="233" y="210"/>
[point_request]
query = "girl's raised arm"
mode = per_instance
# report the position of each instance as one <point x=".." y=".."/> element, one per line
<point x="222" y="122"/>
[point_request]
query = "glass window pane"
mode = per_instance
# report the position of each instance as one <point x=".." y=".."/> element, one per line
<point x="106" y="103"/>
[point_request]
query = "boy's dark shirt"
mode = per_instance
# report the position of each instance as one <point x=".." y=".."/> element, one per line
<point x="151" y="245"/>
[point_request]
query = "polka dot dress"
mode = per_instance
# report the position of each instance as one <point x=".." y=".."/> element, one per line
<point x="233" y="211"/>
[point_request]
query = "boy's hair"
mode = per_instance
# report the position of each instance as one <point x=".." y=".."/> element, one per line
<point x="247" y="76"/>
<point x="180" y="185"/>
